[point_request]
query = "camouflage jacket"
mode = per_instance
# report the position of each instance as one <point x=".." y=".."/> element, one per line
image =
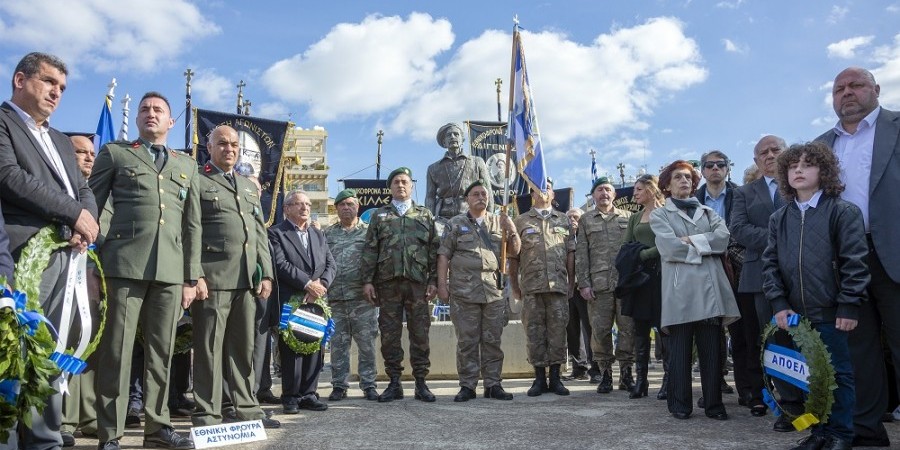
<point x="473" y="264"/>
<point x="598" y="240"/>
<point x="347" y="247"/>
<point x="400" y="246"/>
<point x="545" y="247"/>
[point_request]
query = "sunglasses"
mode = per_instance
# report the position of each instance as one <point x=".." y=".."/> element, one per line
<point x="711" y="164"/>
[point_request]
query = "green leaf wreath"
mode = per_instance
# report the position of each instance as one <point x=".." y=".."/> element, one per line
<point x="25" y="356"/>
<point x="821" y="380"/>
<point x="297" y="346"/>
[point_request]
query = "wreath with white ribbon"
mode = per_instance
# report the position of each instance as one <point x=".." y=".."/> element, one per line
<point x="815" y="357"/>
<point x="32" y="352"/>
<point x="291" y="321"/>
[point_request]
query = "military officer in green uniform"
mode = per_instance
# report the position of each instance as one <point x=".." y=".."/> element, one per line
<point x="234" y="245"/>
<point x="601" y="232"/>
<point x="355" y="319"/>
<point x="468" y="270"/>
<point x="541" y="273"/>
<point x="399" y="258"/>
<point x="151" y="257"/>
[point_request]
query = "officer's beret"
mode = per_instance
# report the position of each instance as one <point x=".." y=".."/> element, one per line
<point x="398" y="171"/>
<point x="599" y="181"/>
<point x="474" y="184"/>
<point x="344" y="195"/>
<point x="443" y="131"/>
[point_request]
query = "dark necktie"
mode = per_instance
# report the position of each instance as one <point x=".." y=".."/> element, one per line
<point x="231" y="180"/>
<point x="159" y="156"/>
<point x="776" y="200"/>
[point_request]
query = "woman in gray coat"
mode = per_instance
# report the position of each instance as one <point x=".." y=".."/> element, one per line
<point x="696" y="295"/>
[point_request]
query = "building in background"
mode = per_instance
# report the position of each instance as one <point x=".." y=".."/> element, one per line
<point x="306" y="167"/>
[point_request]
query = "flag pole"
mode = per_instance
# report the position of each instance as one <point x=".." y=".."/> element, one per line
<point x="505" y="207"/>
<point x="188" y="74"/>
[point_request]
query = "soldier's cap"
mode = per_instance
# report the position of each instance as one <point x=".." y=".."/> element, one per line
<point x="474" y="184"/>
<point x="443" y="131"/>
<point x="344" y="195"/>
<point x="599" y="181"/>
<point x="398" y="171"/>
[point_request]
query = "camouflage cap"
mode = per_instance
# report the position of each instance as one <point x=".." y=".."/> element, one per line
<point x="442" y="131"/>
<point x="398" y="171"/>
<point x="344" y="195"/>
<point x="599" y="181"/>
<point x="474" y="184"/>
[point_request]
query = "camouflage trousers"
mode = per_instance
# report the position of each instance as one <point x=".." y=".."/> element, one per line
<point x="603" y="310"/>
<point x="396" y="297"/>
<point x="354" y="321"/>
<point x="478" y="330"/>
<point x="545" y="317"/>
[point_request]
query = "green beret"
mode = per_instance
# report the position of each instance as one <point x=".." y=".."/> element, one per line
<point x="599" y="181"/>
<point x="344" y="195"/>
<point x="474" y="184"/>
<point x="443" y="131"/>
<point x="398" y="171"/>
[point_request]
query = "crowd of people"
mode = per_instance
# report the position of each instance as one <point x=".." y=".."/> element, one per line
<point x="809" y="234"/>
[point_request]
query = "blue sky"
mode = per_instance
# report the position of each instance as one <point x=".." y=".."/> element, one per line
<point x="642" y="83"/>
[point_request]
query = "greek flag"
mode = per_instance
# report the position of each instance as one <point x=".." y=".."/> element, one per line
<point x="105" y="125"/>
<point x="593" y="169"/>
<point x="524" y="133"/>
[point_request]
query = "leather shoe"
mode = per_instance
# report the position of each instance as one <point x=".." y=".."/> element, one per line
<point x="267" y="397"/>
<point x="838" y="444"/>
<point x="290" y="408"/>
<point x="337" y="394"/>
<point x="312" y="404"/>
<point x="465" y="394"/>
<point x="861" y="441"/>
<point x="109" y="445"/>
<point x="68" y="438"/>
<point x="726" y="388"/>
<point x="718" y="416"/>
<point x="497" y="392"/>
<point x="758" y="410"/>
<point x="701" y="403"/>
<point x="595" y="378"/>
<point x="270" y="423"/>
<point x="370" y="393"/>
<point x="812" y="442"/>
<point x="166" y="437"/>
<point x="783" y="425"/>
<point x="133" y="418"/>
<point x="681" y="415"/>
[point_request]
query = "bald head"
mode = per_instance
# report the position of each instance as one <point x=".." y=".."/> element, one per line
<point x="84" y="154"/>
<point x="224" y="147"/>
<point x="854" y="96"/>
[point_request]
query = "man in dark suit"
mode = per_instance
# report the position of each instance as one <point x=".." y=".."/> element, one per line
<point x="304" y="267"/>
<point x="41" y="185"/>
<point x="866" y="141"/>
<point x="753" y="203"/>
<point x="151" y="257"/>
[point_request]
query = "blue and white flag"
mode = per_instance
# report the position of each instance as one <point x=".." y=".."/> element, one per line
<point x="593" y="169"/>
<point x="105" y="125"/>
<point x="524" y="132"/>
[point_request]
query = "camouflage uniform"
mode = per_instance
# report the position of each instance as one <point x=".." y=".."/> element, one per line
<point x="475" y="309"/>
<point x="600" y="236"/>
<point x="399" y="259"/>
<point x="543" y="279"/>
<point x="354" y="317"/>
<point x="447" y="181"/>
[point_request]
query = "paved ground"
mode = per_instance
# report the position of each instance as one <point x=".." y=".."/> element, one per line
<point x="583" y="420"/>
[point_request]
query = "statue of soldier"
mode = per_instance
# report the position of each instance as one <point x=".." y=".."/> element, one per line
<point x="449" y="176"/>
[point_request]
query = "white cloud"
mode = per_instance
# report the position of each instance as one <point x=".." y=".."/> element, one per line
<point x="887" y="74"/>
<point x="364" y="68"/>
<point x="732" y="47"/>
<point x="209" y="90"/>
<point x="837" y="14"/>
<point x="893" y="8"/>
<point x="847" y="48"/>
<point x="275" y="111"/>
<point x="730" y="5"/>
<point x="105" y="35"/>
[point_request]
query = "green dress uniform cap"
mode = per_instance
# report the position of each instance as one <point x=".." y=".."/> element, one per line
<point x="474" y="184"/>
<point x="398" y="171"/>
<point x="599" y="181"/>
<point x="443" y="130"/>
<point x="344" y="195"/>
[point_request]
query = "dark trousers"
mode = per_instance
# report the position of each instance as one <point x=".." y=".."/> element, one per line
<point x="840" y="422"/>
<point x="299" y="374"/>
<point x="790" y="396"/>
<point x="262" y="350"/>
<point x="880" y="314"/>
<point x="578" y="331"/>
<point x="745" y="351"/>
<point x="642" y="345"/>
<point x="682" y="337"/>
<point x="180" y="379"/>
<point x="136" y="379"/>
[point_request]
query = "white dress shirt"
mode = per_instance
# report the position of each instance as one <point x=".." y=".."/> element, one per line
<point x="854" y="154"/>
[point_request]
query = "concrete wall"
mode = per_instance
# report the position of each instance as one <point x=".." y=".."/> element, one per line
<point x="442" y="337"/>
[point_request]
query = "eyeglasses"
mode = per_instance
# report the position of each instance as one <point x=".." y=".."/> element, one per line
<point x="711" y="164"/>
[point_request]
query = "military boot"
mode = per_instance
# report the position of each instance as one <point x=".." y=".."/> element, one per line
<point x="556" y="385"/>
<point x="394" y="391"/>
<point x="605" y="386"/>
<point x="626" y="381"/>
<point x="422" y="391"/>
<point x="540" y="382"/>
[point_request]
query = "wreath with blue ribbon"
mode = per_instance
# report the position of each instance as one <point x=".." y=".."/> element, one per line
<point x="284" y="326"/>
<point x="27" y="339"/>
<point x="821" y="382"/>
